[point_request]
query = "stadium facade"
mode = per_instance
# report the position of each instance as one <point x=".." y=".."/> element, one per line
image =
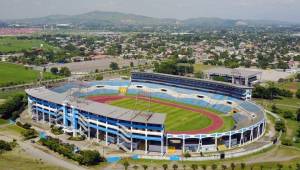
<point x="135" y="130"/>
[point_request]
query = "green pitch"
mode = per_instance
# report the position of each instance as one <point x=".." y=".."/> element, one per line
<point x="177" y="119"/>
<point x="12" y="74"/>
<point x="12" y="44"/>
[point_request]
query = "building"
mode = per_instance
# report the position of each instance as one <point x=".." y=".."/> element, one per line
<point x="143" y="131"/>
<point x="234" y="76"/>
<point x="222" y="88"/>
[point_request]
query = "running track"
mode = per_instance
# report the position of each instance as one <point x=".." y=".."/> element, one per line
<point x="217" y="122"/>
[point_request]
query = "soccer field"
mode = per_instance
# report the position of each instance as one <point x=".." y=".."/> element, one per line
<point x="12" y="74"/>
<point x="177" y="119"/>
<point x="12" y="44"/>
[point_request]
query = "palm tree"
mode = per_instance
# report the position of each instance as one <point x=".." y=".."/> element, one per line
<point x="175" y="166"/>
<point x="290" y="167"/>
<point x="279" y="166"/>
<point x="184" y="167"/>
<point x="145" y="167"/>
<point x="243" y="166"/>
<point x="261" y="167"/>
<point x="232" y="165"/>
<point x="224" y="167"/>
<point x="165" y="166"/>
<point x="126" y="165"/>
<point x="214" y="166"/>
<point x="135" y="167"/>
<point x="194" y="166"/>
<point x="204" y="167"/>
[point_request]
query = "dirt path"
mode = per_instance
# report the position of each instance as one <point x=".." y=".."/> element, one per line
<point x="217" y="121"/>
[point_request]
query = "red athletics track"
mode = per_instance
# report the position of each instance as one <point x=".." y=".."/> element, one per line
<point x="217" y="122"/>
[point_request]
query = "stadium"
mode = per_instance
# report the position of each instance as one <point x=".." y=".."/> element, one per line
<point x="153" y="113"/>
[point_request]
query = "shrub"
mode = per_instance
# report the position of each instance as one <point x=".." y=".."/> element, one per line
<point x="288" y="114"/>
<point x="84" y="157"/>
<point x="89" y="157"/>
<point x="187" y="155"/>
<point x="29" y="134"/>
<point x="56" y="130"/>
<point x="280" y="126"/>
<point x="5" y="146"/>
<point x="287" y="142"/>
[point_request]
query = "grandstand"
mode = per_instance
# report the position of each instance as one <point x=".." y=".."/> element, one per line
<point x="133" y="130"/>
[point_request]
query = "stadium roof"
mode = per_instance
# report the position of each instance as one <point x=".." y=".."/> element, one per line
<point x="203" y="80"/>
<point x="235" y="72"/>
<point x="97" y="108"/>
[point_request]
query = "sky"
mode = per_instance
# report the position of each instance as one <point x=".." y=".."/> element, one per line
<point x="283" y="10"/>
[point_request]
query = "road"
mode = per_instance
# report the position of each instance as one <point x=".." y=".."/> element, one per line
<point x="34" y="152"/>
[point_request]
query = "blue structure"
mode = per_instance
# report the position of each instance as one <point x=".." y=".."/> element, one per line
<point x="135" y="130"/>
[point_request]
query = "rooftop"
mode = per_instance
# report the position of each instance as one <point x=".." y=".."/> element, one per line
<point x="97" y="108"/>
<point x="238" y="72"/>
<point x="197" y="79"/>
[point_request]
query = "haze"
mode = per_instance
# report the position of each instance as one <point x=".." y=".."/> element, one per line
<point x="284" y="10"/>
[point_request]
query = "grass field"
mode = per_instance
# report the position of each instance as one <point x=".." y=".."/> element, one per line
<point x="19" y="160"/>
<point x="18" y="74"/>
<point x="12" y="44"/>
<point x="202" y="67"/>
<point x="265" y="160"/>
<point x="176" y="119"/>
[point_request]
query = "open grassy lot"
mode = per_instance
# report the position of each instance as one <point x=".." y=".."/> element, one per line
<point x="18" y="74"/>
<point x="202" y="67"/>
<point x="265" y="160"/>
<point x="6" y="94"/>
<point x="18" y="160"/>
<point x="283" y="103"/>
<point x="12" y="44"/>
<point x="2" y="121"/>
<point x="177" y="119"/>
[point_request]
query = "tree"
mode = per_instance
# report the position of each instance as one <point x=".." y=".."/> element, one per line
<point x="65" y="71"/>
<point x="175" y="166"/>
<point x="54" y="70"/>
<point x="214" y="166"/>
<point x="232" y="165"/>
<point x="135" y="167"/>
<point x="288" y="114"/>
<point x="298" y="166"/>
<point x="298" y="115"/>
<point x="275" y="109"/>
<point x="145" y="167"/>
<point x="243" y="166"/>
<point x="280" y="125"/>
<point x="298" y="76"/>
<point x="13" y="106"/>
<point x="194" y="166"/>
<point x="126" y="165"/>
<point x="165" y="166"/>
<point x="99" y="77"/>
<point x="114" y="66"/>
<point x="204" y="167"/>
<point x="224" y="167"/>
<point x="298" y="94"/>
<point x="199" y="75"/>
<point x="279" y="166"/>
<point x="90" y="157"/>
<point x="131" y="64"/>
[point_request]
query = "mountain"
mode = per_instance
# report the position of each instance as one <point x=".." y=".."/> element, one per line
<point x="3" y="24"/>
<point x="97" y="19"/>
